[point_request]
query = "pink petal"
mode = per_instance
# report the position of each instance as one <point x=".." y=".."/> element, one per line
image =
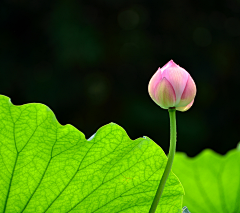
<point x="183" y="109"/>
<point x="165" y="95"/>
<point x="177" y="77"/>
<point x="188" y="94"/>
<point x="169" y="64"/>
<point x="153" y="83"/>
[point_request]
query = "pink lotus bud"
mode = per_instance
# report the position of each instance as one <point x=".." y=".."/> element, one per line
<point x="172" y="86"/>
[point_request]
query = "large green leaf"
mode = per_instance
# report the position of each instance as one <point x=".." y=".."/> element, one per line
<point x="211" y="182"/>
<point x="47" y="167"/>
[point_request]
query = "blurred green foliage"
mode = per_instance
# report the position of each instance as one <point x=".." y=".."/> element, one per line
<point x="91" y="61"/>
<point x="210" y="181"/>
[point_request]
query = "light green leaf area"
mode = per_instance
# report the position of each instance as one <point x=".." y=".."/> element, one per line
<point x="211" y="181"/>
<point x="47" y="167"/>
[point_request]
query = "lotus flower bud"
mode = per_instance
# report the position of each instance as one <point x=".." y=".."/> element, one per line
<point x="172" y="86"/>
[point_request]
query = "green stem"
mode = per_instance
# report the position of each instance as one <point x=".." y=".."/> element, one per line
<point x="172" y="115"/>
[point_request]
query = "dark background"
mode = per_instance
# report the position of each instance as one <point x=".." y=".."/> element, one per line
<point x="91" y="61"/>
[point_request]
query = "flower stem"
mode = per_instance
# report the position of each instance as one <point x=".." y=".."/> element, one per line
<point x="172" y="115"/>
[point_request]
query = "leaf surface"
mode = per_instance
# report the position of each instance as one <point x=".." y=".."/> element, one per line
<point x="47" y="167"/>
<point x="211" y="181"/>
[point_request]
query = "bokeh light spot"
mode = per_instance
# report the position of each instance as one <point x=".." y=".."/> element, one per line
<point x="217" y="20"/>
<point x="129" y="51"/>
<point x="97" y="88"/>
<point x="202" y="37"/>
<point x="232" y="26"/>
<point x="128" y="19"/>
